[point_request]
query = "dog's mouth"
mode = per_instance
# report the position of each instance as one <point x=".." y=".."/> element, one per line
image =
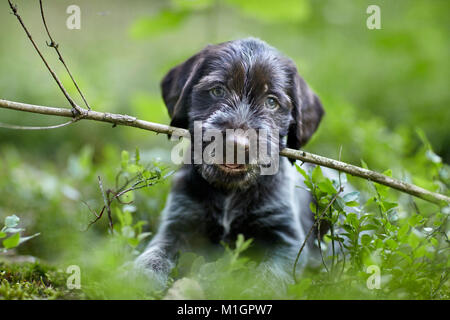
<point x="233" y="168"/>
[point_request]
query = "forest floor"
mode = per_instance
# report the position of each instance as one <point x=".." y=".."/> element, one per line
<point x="23" y="277"/>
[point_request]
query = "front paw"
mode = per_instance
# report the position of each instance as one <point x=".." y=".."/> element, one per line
<point x="155" y="267"/>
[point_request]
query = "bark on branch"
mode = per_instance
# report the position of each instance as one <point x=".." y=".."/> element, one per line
<point x="126" y="120"/>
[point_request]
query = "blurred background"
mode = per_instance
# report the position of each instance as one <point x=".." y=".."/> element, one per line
<point x="385" y="92"/>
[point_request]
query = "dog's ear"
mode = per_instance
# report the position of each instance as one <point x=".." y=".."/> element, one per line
<point x="307" y="111"/>
<point x="176" y="88"/>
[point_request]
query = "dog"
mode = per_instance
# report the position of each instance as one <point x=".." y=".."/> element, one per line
<point x="242" y="84"/>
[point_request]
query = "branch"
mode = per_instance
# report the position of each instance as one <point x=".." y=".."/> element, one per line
<point x="311" y="230"/>
<point x="126" y="120"/>
<point x="55" y="46"/>
<point x="77" y="109"/>
<point x="78" y="113"/>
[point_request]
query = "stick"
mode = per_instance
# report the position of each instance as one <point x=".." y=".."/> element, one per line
<point x="126" y="120"/>
<point x="77" y="109"/>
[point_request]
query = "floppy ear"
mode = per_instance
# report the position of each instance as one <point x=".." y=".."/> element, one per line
<point x="176" y="89"/>
<point x="307" y="112"/>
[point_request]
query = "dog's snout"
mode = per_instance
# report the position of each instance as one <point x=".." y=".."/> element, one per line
<point x="237" y="148"/>
<point x="240" y="142"/>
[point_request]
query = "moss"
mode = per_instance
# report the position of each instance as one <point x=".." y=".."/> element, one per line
<point x="34" y="281"/>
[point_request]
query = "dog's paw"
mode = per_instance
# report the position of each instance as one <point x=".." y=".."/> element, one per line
<point x="154" y="268"/>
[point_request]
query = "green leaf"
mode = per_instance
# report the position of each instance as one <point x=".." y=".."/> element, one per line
<point x="133" y="168"/>
<point x="415" y="220"/>
<point x="403" y="231"/>
<point x="364" y="164"/>
<point x="143" y="235"/>
<point x="381" y="189"/>
<point x="317" y="175"/>
<point x="392" y="244"/>
<point x="23" y="239"/>
<point x="365" y="239"/>
<point x="413" y="240"/>
<point x="302" y="171"/>
<point x="146" y="174"/>
<point x="367" y="227"/>
<point x="327" y="186"/>
<point x="420" y="252"/>
<point x="12" y="230"/>
<point x="339" y="204"/>
<point x="352" y="219"/>
<point x="128" y="232"/>
<point x="349" y="229"/>
<point x="433" y="157"/>
<point x="389" y="205"/>
<point x="352" y="204"/>
<point x="12" y="242"/>
<point x="133" y="242"/>
<point x="11" y="221"/>
<point x="351" y="196"/>
<point x="157" y="172"/>
<point x="312" y="207"/>
<point x="127" y="218"/>
<point x="242" y="245"/>
<point x="2" y="234"/>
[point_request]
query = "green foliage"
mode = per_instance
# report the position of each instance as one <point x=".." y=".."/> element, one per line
<point x="232" y="275"/>
<point x="137" y="176"/>
<point x="14" y="239"/>
<point x="384" y="92"/>
<point x="409" y="248"/>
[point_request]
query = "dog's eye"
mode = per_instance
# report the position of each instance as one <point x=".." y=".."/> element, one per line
<point x="217" y="92"/>
<point x="271" y="103"/>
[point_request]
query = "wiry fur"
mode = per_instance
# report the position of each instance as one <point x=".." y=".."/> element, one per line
<point x="207" y="205"/>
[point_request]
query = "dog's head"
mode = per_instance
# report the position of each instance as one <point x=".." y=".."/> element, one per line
<point x="243" y="84"/>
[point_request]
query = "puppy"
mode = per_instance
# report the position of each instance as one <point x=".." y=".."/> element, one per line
<point x="243" y="84"/>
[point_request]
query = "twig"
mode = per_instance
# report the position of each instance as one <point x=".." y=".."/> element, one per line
<point x="132" y="121"/>
<point x="110" y="195"/>
<point x="126" y="120"/>
<point x="11" y="126"/>
<point x="107" y="203"/>
<point x="373" y="176"/>
<point x="55" y="45"/>
<point x="311" y="230"/>
<point x="77" y="109"/>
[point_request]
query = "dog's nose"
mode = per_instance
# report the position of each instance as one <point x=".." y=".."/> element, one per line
<point x="236" y="149"/>
<point x="241" y="142"/>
